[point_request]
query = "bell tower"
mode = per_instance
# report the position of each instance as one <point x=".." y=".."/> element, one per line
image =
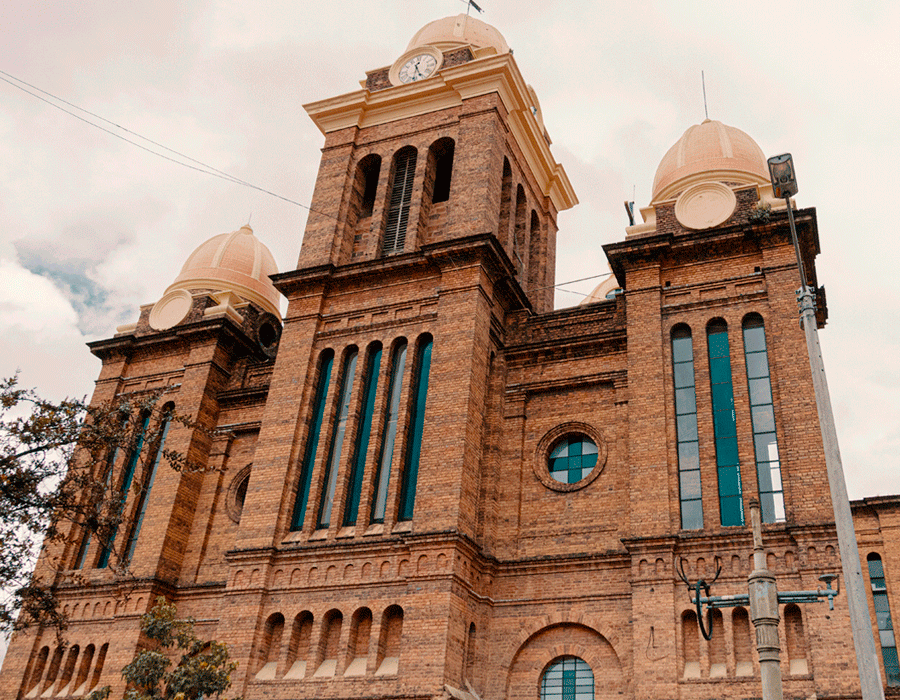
<point x="445" y="144"/>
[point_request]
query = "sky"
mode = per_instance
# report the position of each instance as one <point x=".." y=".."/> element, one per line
<point x="93" y="227"/>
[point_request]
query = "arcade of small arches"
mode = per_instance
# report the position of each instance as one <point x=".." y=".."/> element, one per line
<point x="70" y="672"/>
<point x="314" y="649"/>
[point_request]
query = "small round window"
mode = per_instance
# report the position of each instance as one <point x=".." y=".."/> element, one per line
<point x="572" y="459"/>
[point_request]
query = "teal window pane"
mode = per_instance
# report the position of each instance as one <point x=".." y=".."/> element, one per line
<point x="883" y="620"/>
<point x="760" y="391"/>
<point x="337" y="439"/>
<point x="575" y="460"/>
<point x="687" y="427"/>
<point x="689" y="455"/>
<point x="724" y="424"/>
<point x="690" y="485"/>
<point x="720" y="370"/>
<point x="726" y="451"/>
<point x="880" y="601"/>
<point x="722" y="397"/>
<point x="767" y="506"/>
<point x="732" y="511"/>
<point x="757" y="365"/>
<point x="887" y="638"/>
<point x="718" y="344"/>
<point x="763" y="420"/>
<point x="682" y="350"/>
<point x="354" y="487"/>
<point x="729" y="481"/>
<point x="385" y="458"/>
<point x="692" y="515"/>
<point x="417" y="425"/>
<point x="683" y="375"/>
<point x="766" y="446"/>
<point x="685" y="401"/>
<point x="312" y="441"/>
<point x="754" y="339"/>
<point x="891" y="664"/>
<point x="876" y="568"/>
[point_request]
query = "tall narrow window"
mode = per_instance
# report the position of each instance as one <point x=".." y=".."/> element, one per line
<point x="401" y="196"/>
<point x="768" y="466"/>
<point x="145" y="491"/>
<point x="369" y="169"/>
<point x="442" y="153"/>
<point x="354" y="488"/>
<point x="505" y="203"/>
<point x="686" y="428"/>
<point x="883" y="619"/>
<point x="416" y="427"/>
<point x="731" y="502"/>
<point x="312" y="441"/>
<point x="337" y="439"/>
<point x="390" y="434"/>
<point x="127" y="477"/>
<point x="519" y="233"/>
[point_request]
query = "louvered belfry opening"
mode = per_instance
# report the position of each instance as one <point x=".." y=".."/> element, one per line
<point x="401" y="195"/>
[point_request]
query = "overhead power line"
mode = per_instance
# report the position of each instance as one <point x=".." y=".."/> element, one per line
<point x="199" y="166"/>
<point x="203" y="167"/>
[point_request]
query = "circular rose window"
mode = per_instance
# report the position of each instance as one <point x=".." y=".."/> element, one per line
<point x="570" y="456"/>
<point x="572" y="459"/>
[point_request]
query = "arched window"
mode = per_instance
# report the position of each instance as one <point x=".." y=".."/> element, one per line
<point x="143" y="499"/>
<point x="401" y="196"/>
<point x="883" y="619"/>
<point x="361" y="448"/>
<point x="65" y="679"/>
<point x="469" y="670"/>
<point x="360" y="632"/>
<point x="383" y="475"/>
<point x="40" y="664"/>
<point x="690" y="644"/>
<point x="795" y="640"/>
<point x="716" y="645"/>
<point x="441" y="153"/>
<point x="686" y="428"/>
<point x="330" y="643"/>
<point x="567" y="678"/>
<point x="312" y="440"/>
<point x="416" y="428"/>
<point x="298" y="650"/>
<point x="505" y="203"/>
<point x="131" y="463"/>
<point x="743" y="650"/>
<point x="519" y="235"/>
<point x="271" y="646"/>
<point x="337" y="438"/>
<point x="731" y="501"/>
<point x="367" y="173"/>
<point x="389" y="641"/>
<point x="84" y="668"/>
<point x="98" y="666"/>
<point x="765" y="442"/>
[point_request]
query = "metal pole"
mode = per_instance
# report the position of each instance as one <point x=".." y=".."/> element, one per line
<point x="764" y="613"/>
<point x="860" y="620"/>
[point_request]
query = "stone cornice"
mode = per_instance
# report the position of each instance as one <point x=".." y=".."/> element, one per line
<point x="450" y="87"/>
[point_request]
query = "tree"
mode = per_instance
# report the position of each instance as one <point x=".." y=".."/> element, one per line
<point x="66" y="470"/>
<point x="203" y="671"/>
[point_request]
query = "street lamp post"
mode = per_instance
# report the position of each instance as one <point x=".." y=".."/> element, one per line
<point x="784" y="185"/>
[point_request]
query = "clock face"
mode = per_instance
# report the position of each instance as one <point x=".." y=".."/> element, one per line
<point x="417" y="68"/>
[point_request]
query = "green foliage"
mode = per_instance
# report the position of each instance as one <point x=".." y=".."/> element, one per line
<point x="203" y="671"/>
<point x="60" y="481"/>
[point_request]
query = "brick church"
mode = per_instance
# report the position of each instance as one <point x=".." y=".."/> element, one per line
<point x="423" y="482"/>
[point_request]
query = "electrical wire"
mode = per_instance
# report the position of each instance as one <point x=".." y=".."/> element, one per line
<point x="207" y="169"/>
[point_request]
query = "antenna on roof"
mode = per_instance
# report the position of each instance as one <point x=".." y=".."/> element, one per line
<point x="470" y="4"/>
<point x="703" y="80"/>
